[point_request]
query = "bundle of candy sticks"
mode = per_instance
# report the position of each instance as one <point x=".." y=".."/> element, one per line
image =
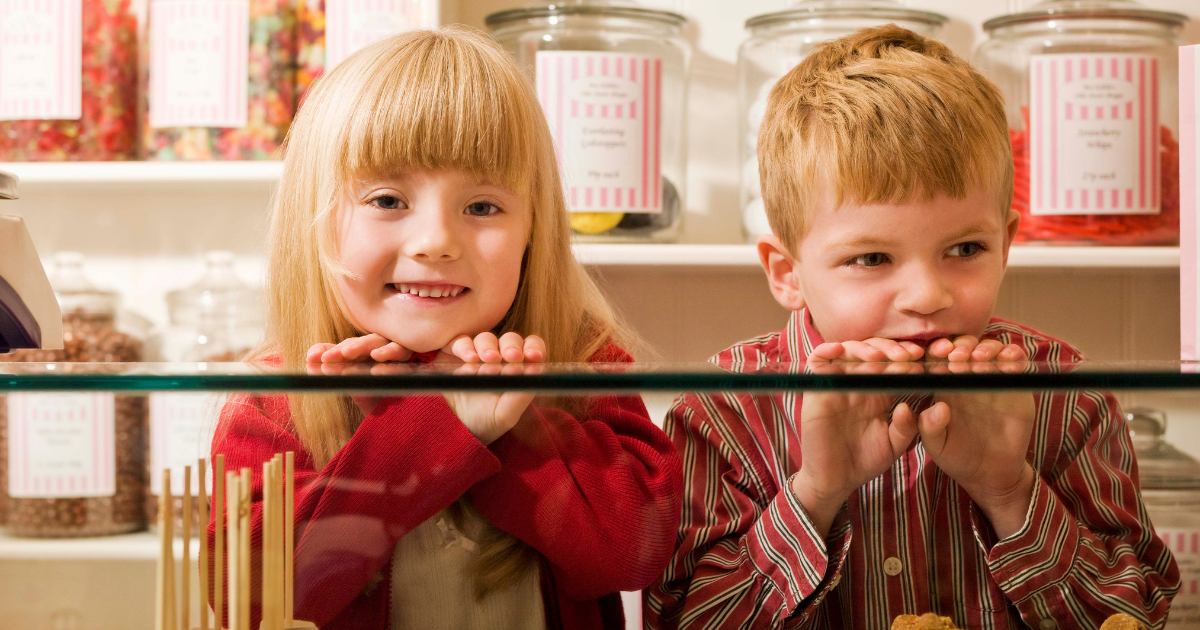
<point x="231" y="498"/>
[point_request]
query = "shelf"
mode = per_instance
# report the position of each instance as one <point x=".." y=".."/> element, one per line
<point x="1023" y="257"/>
<point x="140" y="546"/>
<point x="33" y="174"/>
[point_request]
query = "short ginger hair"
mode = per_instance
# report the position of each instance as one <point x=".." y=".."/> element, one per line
<point x="880" y="116"/>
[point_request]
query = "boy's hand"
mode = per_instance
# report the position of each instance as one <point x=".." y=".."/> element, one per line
<point x="969" y="348"/>
<point x="490" y="415"/>
<point x="980" y="440"/>
<point x="961" y="349"/>
<point x="846" y="440"/>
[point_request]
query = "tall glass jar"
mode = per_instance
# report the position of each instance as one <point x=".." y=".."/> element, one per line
<point x="778" y="41"/>
<point x="92" y="482"/>
<point x="1170" y="481"/>
<point x="97" y="120"/>
<point x="1093" y="111"/>
<point x="612" y="79"/>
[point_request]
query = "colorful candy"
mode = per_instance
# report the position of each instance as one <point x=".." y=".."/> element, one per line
<point x="107" y="129"/>
<point x="270" y="94"/>
<point x="310" y="44"/>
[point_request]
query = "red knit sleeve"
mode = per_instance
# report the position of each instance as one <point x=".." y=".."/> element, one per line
<point x="596" y="492"/>
<point x="408" y="460"/>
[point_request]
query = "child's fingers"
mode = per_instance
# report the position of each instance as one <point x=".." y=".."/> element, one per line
<point x="391" y="352"/>
<point x="1012" y="352"/>
<point x="914" y="350"/>
<point x="941" y="348"/>
<point x="860" y="351"/>
<point x="933" y="425"/>
<point x="368" y="344"/>
<point x="512" y="347"/>
<point x="891" y="349"/>
<point x="902" y="429"/>
<point x="963" y="347"/>
<point x="488" y="348"/>
<point x="315" y="352"/>
<point x="826" y="352"/>
<point x="535" y="349"/>
<point x="462" y="348"/>
<point x="986" y="350"/>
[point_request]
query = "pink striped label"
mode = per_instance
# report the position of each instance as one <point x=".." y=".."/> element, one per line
<point x="605" y="115"/>
<point x="354" y="24"/>
<point x="199" y="52"/>
<point x="61" y="445"/>
<point x="1094" y="134"/>
<point x="181" y="431"/>
<point x="41" y="57"/>
<point x="1185" y="546"/>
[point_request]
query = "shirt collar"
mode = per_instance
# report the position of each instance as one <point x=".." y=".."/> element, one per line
<point x="799" y="338"/>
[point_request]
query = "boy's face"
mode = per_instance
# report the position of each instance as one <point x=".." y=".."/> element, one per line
<point x="916" y="271"/>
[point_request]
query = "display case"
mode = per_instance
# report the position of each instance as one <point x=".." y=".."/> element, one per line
<point x="577" y="388"/>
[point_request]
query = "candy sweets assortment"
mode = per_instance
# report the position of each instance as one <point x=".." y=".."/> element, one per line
<point x="107" y="127"/>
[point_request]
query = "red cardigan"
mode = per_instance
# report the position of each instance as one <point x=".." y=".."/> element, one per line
<point x="597" y="496"/>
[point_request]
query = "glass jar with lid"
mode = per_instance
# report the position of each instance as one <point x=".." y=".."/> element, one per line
<point x="217" y="319"/>
<point x="777" y="43"/>
<point x="1170" y="481"/>
<point x="1092" y="94"/>
<point x="612" y="79"/>
<point x="92" y="480"/>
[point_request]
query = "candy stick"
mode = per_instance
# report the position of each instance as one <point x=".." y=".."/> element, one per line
<point x="244" y="549"/>
<point x="202" y="501"/>
<point x="162" y="581"/>
<point x="185" y="577"/>
<point x="232" y="494"/>
<point x="289" y="529"/>
<point x="268" y="545"/>
<point x="168" y="499"/>
<point x="219" y="541"/>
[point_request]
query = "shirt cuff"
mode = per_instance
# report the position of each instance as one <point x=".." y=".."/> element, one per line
<point x="785" y="547"/>
<point x="1040" y="554"/>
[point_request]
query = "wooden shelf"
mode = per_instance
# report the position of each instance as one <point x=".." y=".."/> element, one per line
<point x="141" y="546"/>
<point x="89" y="174"/>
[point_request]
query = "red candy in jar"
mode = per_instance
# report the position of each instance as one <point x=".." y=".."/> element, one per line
<point x="1091" y="93"/>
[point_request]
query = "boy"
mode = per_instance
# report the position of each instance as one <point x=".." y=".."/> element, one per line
<point x="887" y="176"/>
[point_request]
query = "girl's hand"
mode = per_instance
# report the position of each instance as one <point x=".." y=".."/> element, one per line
<point x="490" y="415"/>
<point x="371" y="347"/>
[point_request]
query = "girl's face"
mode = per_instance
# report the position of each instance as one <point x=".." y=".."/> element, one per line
<point x="436" y="255"/>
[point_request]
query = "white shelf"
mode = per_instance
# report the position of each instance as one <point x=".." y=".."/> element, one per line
<point x="89" y="174"/>
<point x="1025" y="257"/>
<point x="141" y="546"/>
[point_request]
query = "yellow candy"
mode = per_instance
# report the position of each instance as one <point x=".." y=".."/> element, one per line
<point x="595" y="222"/>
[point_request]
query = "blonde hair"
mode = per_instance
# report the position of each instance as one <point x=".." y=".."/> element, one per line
<point x="880" y="116"/>
<point x="426" y="100"/>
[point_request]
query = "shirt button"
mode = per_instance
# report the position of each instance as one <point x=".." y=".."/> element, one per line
<point x="892" y="566"/>
<point x="836" y="580"/>
<point x="1047" y="624"/>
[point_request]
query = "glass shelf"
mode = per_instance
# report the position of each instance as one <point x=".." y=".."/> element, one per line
<point x="637" y="377"/>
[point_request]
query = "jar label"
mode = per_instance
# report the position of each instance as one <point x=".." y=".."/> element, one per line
<point x="61" y="445"/>
<point x="354" y="24"/>
<point x="604" y="111"/>
<point x="181" y="431"/>
<point x="41" y="58"/>
<point x="1185" y="546"/>
<point x="199" y="52"/>
<point x="1094" y="134"/>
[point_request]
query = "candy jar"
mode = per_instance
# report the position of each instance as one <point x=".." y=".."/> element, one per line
<point x="328" y="31"/>
<point x="59" y="104"/>
<point x="73" y="463"/>
<point x="1170" y="482"/>
<point x="220" y="79"/>
<point x="1092" y="89"/>
<point x="612" y="80"/>
<point x="777" y="43"/>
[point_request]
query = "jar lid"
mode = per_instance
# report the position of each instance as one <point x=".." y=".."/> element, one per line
<point x="881" y="10"/>
<point x="8" y="185"/>
<point x="585" y="8"/>
<point x="1087" y="9"/>
<point x="1160" y="465"/>
<point x="75" y="292"/>
<point x="219" y="295"/>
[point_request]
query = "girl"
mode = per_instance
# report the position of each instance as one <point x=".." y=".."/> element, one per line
<point x="420" y="216"/>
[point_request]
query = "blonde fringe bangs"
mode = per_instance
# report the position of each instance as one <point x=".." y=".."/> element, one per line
<point x="881" y="116"/>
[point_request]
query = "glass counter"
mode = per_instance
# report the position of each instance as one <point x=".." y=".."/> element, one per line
<point x="83" y="447"/>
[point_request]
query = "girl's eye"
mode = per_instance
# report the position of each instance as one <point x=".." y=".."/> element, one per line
<point x="482" y="209"/>
<point x="873" y="259"/>
<point x="387" y="202"/>
<point x="966" y="250"/>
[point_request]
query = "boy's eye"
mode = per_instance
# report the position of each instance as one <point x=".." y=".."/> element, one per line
<point x="873" y="259"/>
<point x="482" y="209"/>
<point x="387" y="202"/>
<point x="966" y="250"/>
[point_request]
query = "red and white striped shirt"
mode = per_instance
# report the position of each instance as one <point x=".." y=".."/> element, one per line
<point x="909" y="541"/>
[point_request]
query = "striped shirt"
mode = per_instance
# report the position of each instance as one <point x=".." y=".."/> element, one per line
<point x="911" y="540"/>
